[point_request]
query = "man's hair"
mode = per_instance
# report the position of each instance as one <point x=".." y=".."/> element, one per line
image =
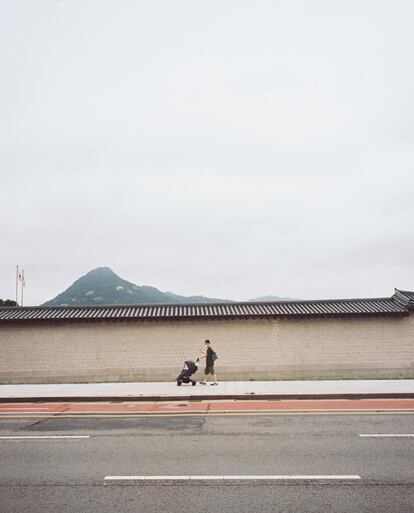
<point x="207" y="341"/>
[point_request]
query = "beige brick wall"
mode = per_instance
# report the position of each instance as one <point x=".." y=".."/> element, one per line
<point x="248" y="349"/>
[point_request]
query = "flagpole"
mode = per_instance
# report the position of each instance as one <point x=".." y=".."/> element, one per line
<point x="23" y="285"/>
<point x="17" y="285"/>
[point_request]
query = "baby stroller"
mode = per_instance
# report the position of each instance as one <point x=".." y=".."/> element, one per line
<point x="189" y="369"/>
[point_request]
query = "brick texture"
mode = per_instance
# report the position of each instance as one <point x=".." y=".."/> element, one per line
<point x="247" y="349"/>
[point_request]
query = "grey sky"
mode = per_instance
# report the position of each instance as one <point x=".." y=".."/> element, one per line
<point x="232" y="149"/>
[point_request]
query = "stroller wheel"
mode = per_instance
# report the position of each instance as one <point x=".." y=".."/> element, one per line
<point x="179" y="383"/>
<point x="193" y="383"/>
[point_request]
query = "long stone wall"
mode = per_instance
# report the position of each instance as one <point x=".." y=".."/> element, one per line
<point x="248" y="349"/>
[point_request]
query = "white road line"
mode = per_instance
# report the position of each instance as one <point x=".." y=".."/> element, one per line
<point x="235" y="478"/>
<point x="212" y="412"/>
<point x="43" y="437"/>
<point x="6" y="413"/>
<point x="63" y="416"/>
<point x="390" y="435"/>
<point x="26" y="407"/>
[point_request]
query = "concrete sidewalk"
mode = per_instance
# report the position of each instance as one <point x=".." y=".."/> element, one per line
<point x="240" y="390"/>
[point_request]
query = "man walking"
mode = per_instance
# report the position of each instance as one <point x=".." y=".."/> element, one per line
<point x="210" y="357"/>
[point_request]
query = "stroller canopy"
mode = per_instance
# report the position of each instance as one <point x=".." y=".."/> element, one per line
<point x="190" y="366"/>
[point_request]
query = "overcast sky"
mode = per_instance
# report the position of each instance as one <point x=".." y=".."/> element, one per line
<point x="226" y="148"/>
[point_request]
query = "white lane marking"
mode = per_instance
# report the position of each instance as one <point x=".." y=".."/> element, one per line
<point x="221" y="478"/>
<point x="26" y="407"/>
<point x="214" y="412"/>
<point x="390" y="435"/>
<point x="7" y="413"/>
<point x="42" y="437"/>
<point x="64" y="415"/>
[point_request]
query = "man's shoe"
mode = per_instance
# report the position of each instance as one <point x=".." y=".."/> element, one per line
<point x="203" y="383"/>
<point x="212" y="384"/>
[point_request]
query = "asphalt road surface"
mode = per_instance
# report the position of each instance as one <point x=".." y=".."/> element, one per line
<point x="312" y="463"/>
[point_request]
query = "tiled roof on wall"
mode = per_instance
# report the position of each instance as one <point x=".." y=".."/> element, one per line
<point x="397" y="305"/>
<point x="406" y="297"/>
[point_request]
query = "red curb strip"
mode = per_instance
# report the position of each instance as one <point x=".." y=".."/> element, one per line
<point x="217" y="397"/>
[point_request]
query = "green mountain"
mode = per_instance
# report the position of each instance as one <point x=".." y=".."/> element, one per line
<point x="103" y="287"/>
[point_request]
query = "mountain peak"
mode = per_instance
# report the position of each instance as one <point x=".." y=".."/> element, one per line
<point x="102" y="271"/>
<point x="101" y="286"/>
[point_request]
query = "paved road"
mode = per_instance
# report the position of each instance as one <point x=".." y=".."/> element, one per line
<point x="68" y="474"/>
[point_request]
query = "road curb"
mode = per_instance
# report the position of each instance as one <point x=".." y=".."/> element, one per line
<point x="206" y="397"/>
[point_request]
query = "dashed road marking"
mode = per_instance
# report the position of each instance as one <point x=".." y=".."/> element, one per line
<point x="43" y="437"/>
<point x="233" y="478"/>
<point x="388" y="435"/>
